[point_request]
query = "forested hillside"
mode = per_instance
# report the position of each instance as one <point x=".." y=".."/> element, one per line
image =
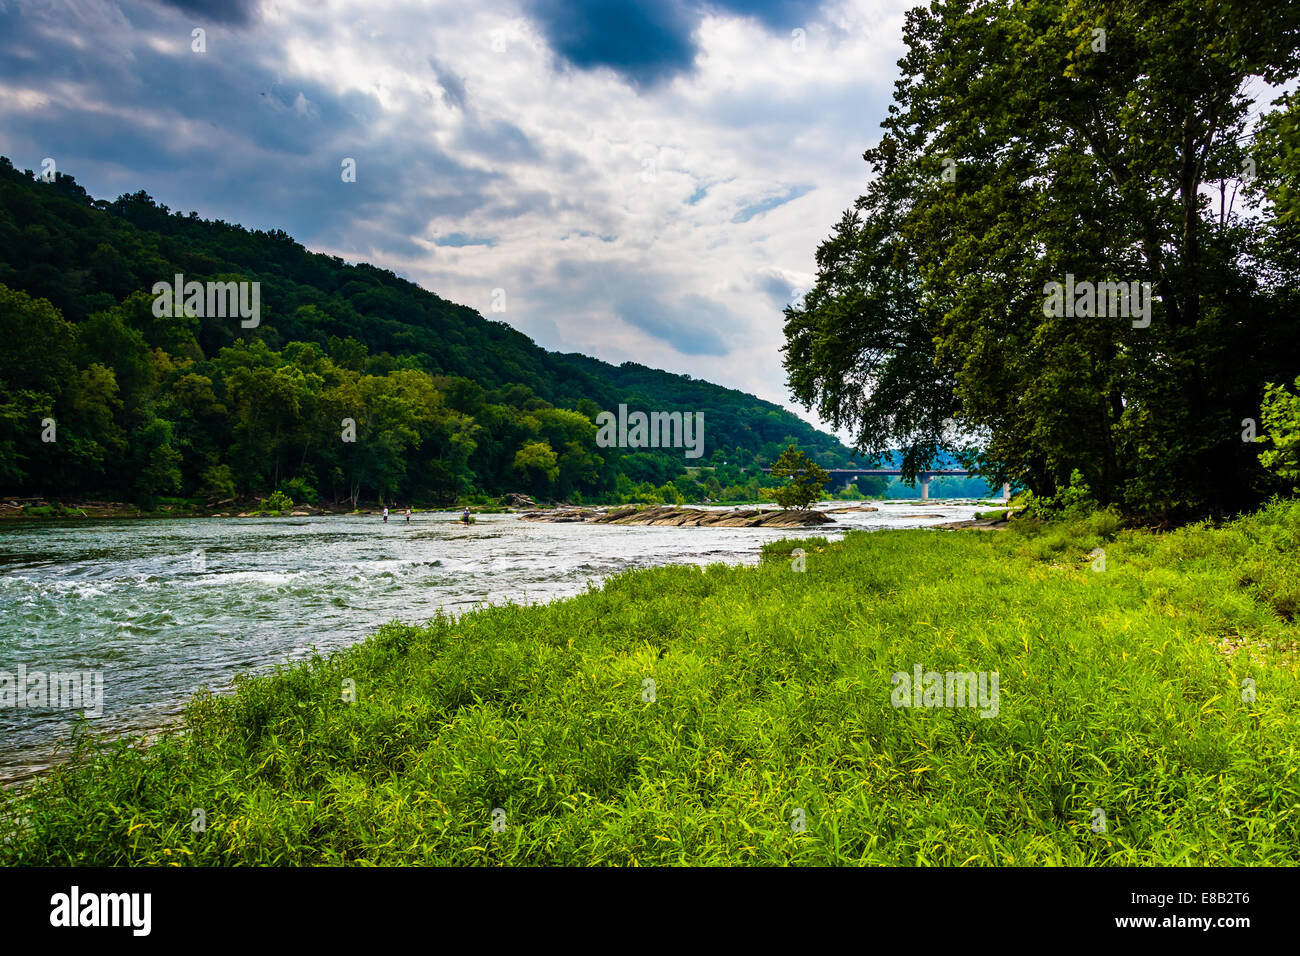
<point x="99" y="396"/>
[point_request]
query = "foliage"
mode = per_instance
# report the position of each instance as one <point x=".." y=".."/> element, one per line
<point x="277" y="503"/>
<point x="784" y="547"/>
<point x="1280" y="417"/>
<point x="298" y="489"/>
<point x="1017" y="153"/>
<point x="1072" y="501"/>
<point x="218" y="482"/>
<point x="806" y="479"/>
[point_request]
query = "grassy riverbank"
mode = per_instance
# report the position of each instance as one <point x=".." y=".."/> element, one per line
<point x="1120" y="692"/>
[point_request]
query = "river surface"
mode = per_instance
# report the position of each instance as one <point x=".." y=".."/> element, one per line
<point x="163" y="607"/>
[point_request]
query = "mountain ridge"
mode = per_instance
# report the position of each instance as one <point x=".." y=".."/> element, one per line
<point x="92" y="257"/>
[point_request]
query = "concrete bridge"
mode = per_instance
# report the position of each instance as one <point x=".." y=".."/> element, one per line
<point x="849" y="475"/>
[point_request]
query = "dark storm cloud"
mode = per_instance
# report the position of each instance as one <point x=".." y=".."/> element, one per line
<point x="494" y="139"/>
<point x="644" y="42"/>
<point x="234" y="12"/>
<point x="635" y="294"/>
<point x="647" y="41"/>
<point x="498" y="139"/>
<point x="229" y="135"/>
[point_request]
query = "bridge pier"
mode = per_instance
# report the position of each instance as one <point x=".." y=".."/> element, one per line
<point x="1006" y="492"/>
<point x="925" y="487"/>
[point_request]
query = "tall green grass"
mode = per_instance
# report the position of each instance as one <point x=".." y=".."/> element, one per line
<point x="1121" y="691"/>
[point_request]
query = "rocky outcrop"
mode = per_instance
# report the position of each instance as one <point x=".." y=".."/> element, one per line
<point x="978" y="524"/>
<point x="669" y="516"/>
<point x="560" y="515"/>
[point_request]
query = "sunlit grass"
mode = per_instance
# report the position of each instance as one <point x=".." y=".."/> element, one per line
<point x="1121" y="691"/>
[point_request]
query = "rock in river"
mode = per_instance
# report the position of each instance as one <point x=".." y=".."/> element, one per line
<point x="685" y="517"/>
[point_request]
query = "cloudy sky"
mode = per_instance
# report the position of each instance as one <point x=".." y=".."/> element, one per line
<point x="645" y="180"/>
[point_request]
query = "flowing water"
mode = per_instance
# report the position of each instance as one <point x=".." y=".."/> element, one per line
<point x="164" y="607"/>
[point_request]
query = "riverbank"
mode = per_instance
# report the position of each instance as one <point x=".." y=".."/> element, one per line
<point x="167" y="606"/>
<point x="1144" y="715"/>
<point x="13" y="508"/>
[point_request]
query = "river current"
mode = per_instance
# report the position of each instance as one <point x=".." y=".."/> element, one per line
<point x="163" y="607"/>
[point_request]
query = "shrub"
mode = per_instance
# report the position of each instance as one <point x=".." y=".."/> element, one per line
<point x="297" y="489"/>
<point x="1280" y="416"/>
<point x="1074" y="500"/>
<point x="277" y="503"/>
<point x="218" y="482"/>
<point x="670" y="495"/>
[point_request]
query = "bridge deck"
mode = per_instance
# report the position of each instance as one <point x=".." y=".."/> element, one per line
<point x="892" y="471"/>
<point x="925" y="477"/>
<point x="841" y="472"/>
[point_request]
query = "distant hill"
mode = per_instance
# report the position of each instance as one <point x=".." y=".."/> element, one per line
<point x="89" y="257"/>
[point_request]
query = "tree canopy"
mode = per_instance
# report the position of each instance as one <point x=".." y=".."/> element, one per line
<point x="1040" y="142"/>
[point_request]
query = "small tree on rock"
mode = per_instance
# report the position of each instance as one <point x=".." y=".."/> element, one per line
<point x="807" y="479"/>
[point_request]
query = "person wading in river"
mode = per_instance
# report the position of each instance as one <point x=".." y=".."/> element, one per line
<point x="408" y="515"/>
<point x="385" y="514"/>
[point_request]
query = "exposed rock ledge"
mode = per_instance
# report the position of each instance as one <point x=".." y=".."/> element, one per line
<point x="979" y="524"/>
<point x="684" y="517"/>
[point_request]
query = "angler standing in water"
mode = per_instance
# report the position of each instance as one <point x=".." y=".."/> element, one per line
<point x="465" y="516"/>
<point x="385" y="514"/>
<point x="408" y="515"/>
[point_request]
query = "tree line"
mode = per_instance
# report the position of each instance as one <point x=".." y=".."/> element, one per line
<point x="1038" y="146"/>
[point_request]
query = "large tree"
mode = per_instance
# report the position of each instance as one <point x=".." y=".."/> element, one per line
<point x="1033" y="141"/>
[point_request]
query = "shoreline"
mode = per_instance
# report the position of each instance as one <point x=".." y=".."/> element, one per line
<point x="43" y="757"/>
<point x="36" y="760"/>
<point x="15" y="508"/>
<point x="754" y="516"/>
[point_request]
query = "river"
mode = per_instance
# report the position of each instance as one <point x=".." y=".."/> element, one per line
<point x="163" y="607"/>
